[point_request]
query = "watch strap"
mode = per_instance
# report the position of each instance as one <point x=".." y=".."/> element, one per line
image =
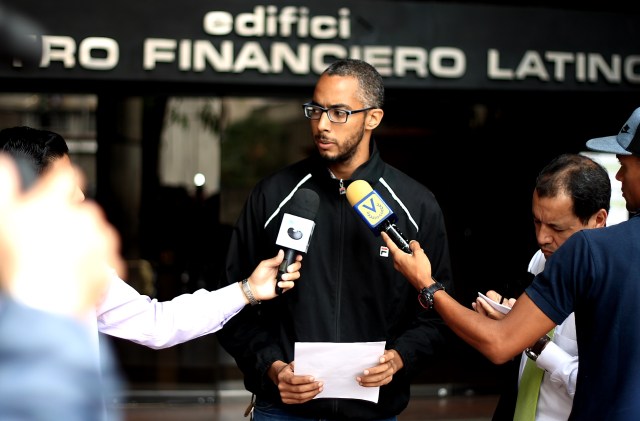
<point x="425" y="297"/>
<point x="534" y="352"/>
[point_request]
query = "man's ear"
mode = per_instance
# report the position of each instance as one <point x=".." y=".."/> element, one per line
<point x="601" y="218"/>
<point x="374" y="117"/>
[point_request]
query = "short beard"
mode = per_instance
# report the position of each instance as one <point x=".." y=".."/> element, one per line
<point x="347" y="155"/>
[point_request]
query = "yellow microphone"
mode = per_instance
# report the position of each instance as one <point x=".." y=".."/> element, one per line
<point x="375" y="212"/>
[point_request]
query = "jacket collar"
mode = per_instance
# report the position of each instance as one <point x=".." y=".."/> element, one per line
<point x="370" y="171"/>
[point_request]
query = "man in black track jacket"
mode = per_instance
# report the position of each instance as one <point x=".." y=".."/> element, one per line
<point x="349" y="290"/>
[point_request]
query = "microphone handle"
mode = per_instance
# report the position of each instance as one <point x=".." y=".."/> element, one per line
<point x="397" y="237"/>
<point x="289" y="258"/>
<point x="27" y="172"/>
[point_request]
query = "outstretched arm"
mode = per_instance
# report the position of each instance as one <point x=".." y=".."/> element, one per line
<point x="498" y="340"/>
<point x="126" y="314"/>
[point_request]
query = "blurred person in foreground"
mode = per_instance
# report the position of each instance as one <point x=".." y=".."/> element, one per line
<point x="595" y="274"/>
<point x="123" y="312"/>
<point x="350" y="291"/>
<point x="572" y="193"/>
<point x="51" y="275"/>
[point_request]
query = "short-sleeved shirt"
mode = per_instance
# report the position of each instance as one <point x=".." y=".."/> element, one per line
<point x="596" y="274"/>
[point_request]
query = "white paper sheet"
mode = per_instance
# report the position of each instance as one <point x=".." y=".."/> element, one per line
<point x="500" y="307"/>
<point x="337" y="365"/>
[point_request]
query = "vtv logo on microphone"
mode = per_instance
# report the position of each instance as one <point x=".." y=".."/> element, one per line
<point x="373" y="209"/>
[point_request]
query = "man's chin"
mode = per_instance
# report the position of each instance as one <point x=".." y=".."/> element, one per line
<point x="329" y="158"/>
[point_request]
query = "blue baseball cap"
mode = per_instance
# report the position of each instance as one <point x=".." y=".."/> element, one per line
<point x="626" y="142"/>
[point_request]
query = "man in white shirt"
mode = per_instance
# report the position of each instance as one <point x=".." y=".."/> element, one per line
<point x="126" y="314"/>
<point x="572" y="193"/>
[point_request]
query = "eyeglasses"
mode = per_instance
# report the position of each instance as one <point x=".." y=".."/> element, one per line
<point x="336" y="115"/>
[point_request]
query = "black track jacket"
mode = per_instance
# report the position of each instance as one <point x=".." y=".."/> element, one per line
<point x="347" y="291"/>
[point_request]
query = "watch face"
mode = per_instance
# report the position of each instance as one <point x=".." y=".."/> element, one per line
<point x="425" y="299"/>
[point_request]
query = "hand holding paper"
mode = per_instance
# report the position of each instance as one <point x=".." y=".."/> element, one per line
<point x="337" y="365"/>
<point x="502" y="309"/>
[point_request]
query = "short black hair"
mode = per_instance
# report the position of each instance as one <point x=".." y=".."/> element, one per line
<point x="41" y="147"/>
<point x="371" y="87"/>
<point x="579" y="177"/>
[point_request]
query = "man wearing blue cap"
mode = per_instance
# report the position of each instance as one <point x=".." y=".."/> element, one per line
<point x="596" y="274"/>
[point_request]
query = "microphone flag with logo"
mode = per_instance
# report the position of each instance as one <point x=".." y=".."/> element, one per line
<point x="296" y="227"/>
<point x="375" y="212"/>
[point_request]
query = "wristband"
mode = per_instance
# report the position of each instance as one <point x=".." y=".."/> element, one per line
<point x="247" y="292"/>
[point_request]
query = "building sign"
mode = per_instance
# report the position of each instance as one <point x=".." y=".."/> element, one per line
<point x="288" y="43"/>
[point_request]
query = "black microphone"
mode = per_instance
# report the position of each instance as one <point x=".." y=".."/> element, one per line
<point x="20" y="37"/>
<point x="296" y="228"/>
<point x="375" y="212"/>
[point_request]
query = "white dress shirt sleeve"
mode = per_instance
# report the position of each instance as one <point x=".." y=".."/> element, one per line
<point x="126" y="314"/>
<point x="560" y="357"/>
<point x="561" y="366"/>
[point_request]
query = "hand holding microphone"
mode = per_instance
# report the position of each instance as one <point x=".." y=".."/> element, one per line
<point x="296" y="228"/>
<point x="261" y="282"/>
<point x="375" y="212"/>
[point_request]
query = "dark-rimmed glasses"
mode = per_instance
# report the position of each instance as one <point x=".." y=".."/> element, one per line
<point x="336" y="115"/>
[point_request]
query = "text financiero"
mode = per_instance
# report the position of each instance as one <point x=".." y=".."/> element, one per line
<point x="103" y="54"/>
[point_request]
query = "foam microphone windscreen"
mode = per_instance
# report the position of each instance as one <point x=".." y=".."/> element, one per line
<point x="358" y="190"/>
<point x="304" y="203"/>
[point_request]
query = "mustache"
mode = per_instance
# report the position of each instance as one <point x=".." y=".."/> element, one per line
<point x="324" y="139"/>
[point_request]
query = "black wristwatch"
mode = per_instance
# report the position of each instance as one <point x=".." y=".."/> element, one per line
<point x="425" y="297"/>
<point x="537" y="348"/>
